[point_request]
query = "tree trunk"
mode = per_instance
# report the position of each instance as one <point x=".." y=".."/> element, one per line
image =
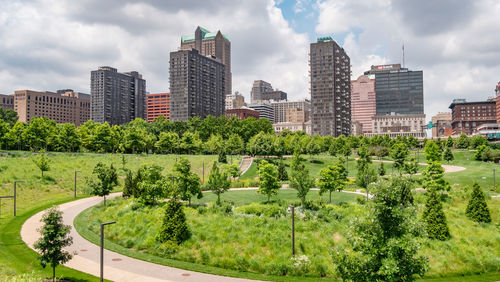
<point x="42" y="173"/>
<point x="303" y="200"/>
<point x="330" y="196"/>
<point x="189" y="201"/>
<point x="268" y="197"/>
<point x="104" y="200"/>
<point x="218" y="199"/>
<point x="54" y="273"/>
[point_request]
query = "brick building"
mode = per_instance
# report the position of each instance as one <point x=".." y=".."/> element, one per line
<point x="158" y="105"/>
<point x="442" y="125"/>
<point x="467" y="116"/>
<point x="7" y="102"/>
<point x="297" y="115"/>
<point x="497" y="95"/>
<point x="65" y="106"/>
<point x="242" y="113"/>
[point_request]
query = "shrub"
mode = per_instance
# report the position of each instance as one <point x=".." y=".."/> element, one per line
<point x="434" y="217"/>
<point x="174" y="228"/>
<point x="262" y="210"/>
<point x="282" y="174"/>
<point x="477" y="209"/>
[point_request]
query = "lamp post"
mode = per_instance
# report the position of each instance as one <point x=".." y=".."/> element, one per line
<point x="15" y="193"/>
<point x="102" y="247"/>
<point x="293" y="230"/>
<point x="367" y="187"/>
<point x="494" y="185"/>
<point x="203" y="172"/>
<point x="76" y="171"/>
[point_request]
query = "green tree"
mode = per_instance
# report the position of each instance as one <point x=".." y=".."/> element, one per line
<point x="412" y="142"/>
<point x="381" y="169"/>
<point x="333" y="177"/>
<point x="128" y="184"/>
<point x="9" y="116"/>
<point x="432" y="152"/>
<point x="174" y="229"/>
<point x="69" y="137"/>
<point x="282" y="174"/>
<point x="235" y="144"/>
<point x="477" y="209"/>
<point x="364" y="154"/>
<point x="449" y="142"/>
<point x="215" y="144"/>
<point x="384" y="244"/>
<point x="232" y="170"/>
<point x="462" y="142"/>
<point x="187" y="184"/>
<point x="434" y="217"/>
<point x="54" y="237"/>
<point x="42" y="162"/>
<point x="107" y="178"/>
<point x="167" y="142"/>
<point x="433" y="177"/>
<point x="411" y="167"/>
<point x="399" y="154"/>
<point x="37" y="133"/>
<point x="478" y="140"/>
<point x="135" y="139"/>
<point x="482" y="153"/>
<point x="448" y="155"/>
<point x="190" y="142"/>
<point x="4" y="131"/>
<point x="268" y="179"/>
<point x="300" y="179"/>
<point x="153" y="185"/>
<point x="218" y="181"/>
<point x="366" y="174"/>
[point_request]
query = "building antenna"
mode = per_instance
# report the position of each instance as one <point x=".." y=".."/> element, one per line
<point x="403" y="55"/>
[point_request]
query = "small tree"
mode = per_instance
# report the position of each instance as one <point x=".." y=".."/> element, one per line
<point x="174" y="229"/>
<point x="300" y="179"/>
<point x="448" y="155"/>
<point x="106" y="180"/>
<point x="187" y="184"/>
<point x="399" y="153"/>
<point x="54" y="237"/>
<point x="332" y="178"/>
<point x="432" y="152"/>
<point x="42" y="162"/>
<point x="411" y="167"/>
<point x="434" y="217"/>
<point x="282" y="174"/>
<point x="477" y="209"/>
<point x="366" y="174"/>
<point x="381" y="169"/>
<point x="217" y="181"/>
<point x="128" y="184"/>
<point x="153" y="185"/>
<point x="449" y="142"/>
<point x="232" y="170"/>
<point x="434" y="177"/>
<point x="384" y="244"/>
<point x="268" y="179"/>
<point x="462" y="142"/>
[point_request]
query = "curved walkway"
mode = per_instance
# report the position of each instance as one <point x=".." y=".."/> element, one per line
<point x="117" y="267"/>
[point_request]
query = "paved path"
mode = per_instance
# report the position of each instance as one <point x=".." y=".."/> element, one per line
<point x="246" y="162"/>
<point x="117" y="267"/>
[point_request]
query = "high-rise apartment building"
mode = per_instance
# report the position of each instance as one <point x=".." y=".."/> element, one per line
<point x="259" y="87"/>
<point x="65" y="106"/>
<point x="466" y="117"/>
<point x="497" y="95"/>
<point x="275" y="95"/>
<point x="7" y="102"/>
<point x="297" y="115"/>
<point x="363" y="102"/>
<point x="279" y="108"/>
<point x="117" y="98"/>
<point x="235" y="101"/>
<point x="442" y="125"/>
<point x="265" y="111"/>
<point x="330" y="88"/>
<point x="213" y="44"/>
<point x="196" y="85"/>
<point x="398" y="90"/>
<point x="158" y="105"/>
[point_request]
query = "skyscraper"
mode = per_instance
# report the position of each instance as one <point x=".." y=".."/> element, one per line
<point x="196" y="85"/>
<point x="398" y="90"/>
<point x="363" y="102"/>
<point x="330" y="88"/>
<point x="279" y="108"/>
<point x="117" y="98"/>
<point x="259" y="87"/>
<point x="213" y="44"/>
<point x="158" y="105"/>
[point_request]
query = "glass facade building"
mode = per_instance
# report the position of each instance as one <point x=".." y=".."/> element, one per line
<point x="398" y="90"/>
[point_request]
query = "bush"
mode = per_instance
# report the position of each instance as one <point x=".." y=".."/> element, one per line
<point x="262" y="210"/>
<point x="477" y="209"/>
<point x="330" y="213"/>
<point x="225" y="207"/>
<point x="174" y="228"/>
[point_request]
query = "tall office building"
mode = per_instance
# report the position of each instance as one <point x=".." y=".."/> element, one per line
<point x="363" y="102"/>
<point x="279" y="108"/>
<point x="213" y="44"/>
<point x="398" y="90"/>
<point x="330" y="88"/>
<point x="265" y="111"/>
<point x="275" y="95"/>
<point x="158" y="105"/>
<point x="65" y="106"/>
<point x="7" y="102"/>
<point x="259" y="87"/>
<point x="117" y="98"/>
<point x="196" y="85"/>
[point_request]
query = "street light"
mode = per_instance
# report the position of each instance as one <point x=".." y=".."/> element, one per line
<point x="293" y="230"/>
<point x="15" y="193"/>
<point x="102" y="247"/>
<point x="76" y="171"/>
<point x="367" y="187"/>
<point x="494" y="186"/>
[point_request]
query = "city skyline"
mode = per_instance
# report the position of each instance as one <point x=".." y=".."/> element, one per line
<point x="139" y="36"/>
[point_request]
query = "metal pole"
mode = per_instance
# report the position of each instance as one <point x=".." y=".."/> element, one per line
<point x="347" y="164"/>
<point x="494" y="186"/>
<point x="203" y="172"/>
<point x="293" y="230"/>
<point x="76" y="171"/>
<point x="15" y="195"/>
<point x="102" y="248"/>
<point x="367" y="187"/>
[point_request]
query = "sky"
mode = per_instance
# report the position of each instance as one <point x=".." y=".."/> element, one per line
<point x="54" y="44"/>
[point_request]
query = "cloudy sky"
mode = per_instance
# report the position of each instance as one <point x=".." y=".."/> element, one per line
<point x="54" y="44"/>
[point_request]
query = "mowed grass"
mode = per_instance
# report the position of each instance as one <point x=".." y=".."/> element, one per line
<point x="57" y="186"/>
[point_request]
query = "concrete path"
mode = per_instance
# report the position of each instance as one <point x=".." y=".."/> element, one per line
<point x="246" y="162"/>
<point x="117" y="267"/>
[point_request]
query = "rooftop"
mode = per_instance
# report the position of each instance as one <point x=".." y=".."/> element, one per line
<point x="325" y="39"/>
<point x="464" y="102"/>
<point x="205" y="35"/>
